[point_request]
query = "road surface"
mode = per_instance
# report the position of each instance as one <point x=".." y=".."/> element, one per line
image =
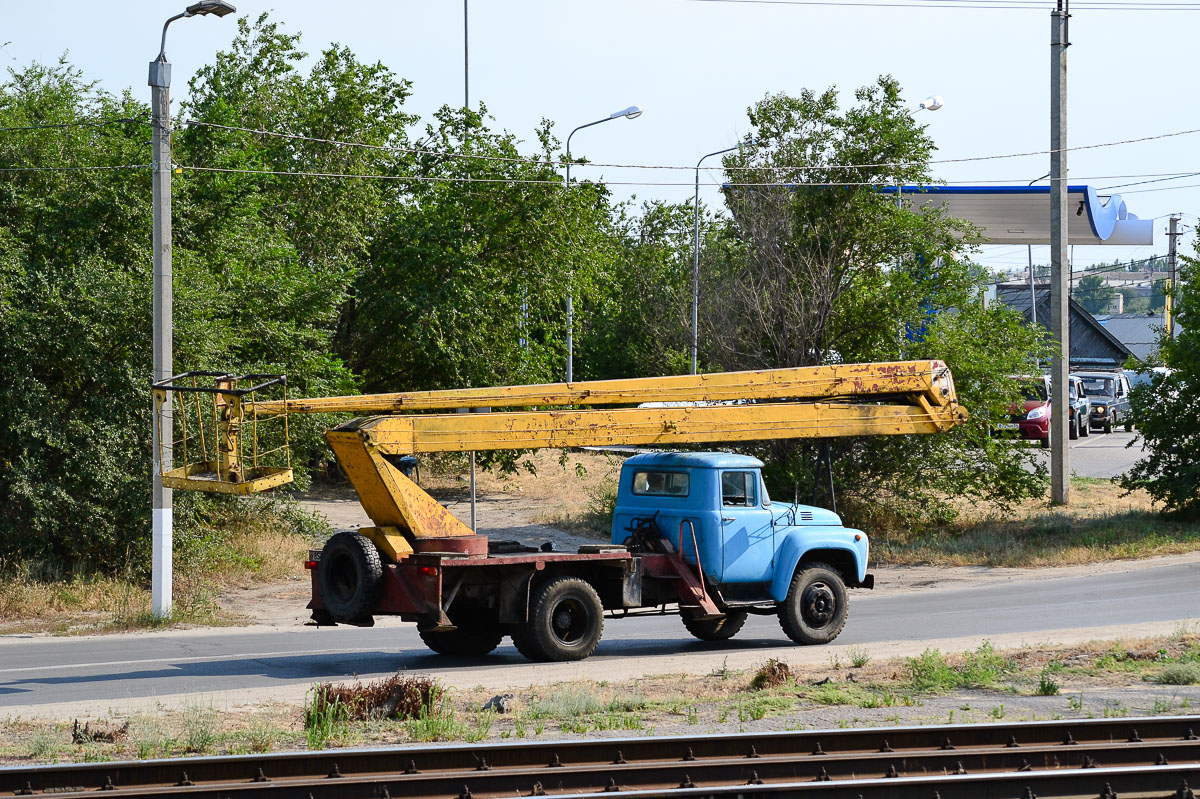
<point x="1101" y="455"/>
<point x="280" y="664"/>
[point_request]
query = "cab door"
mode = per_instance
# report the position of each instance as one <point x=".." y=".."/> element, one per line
<point x="747" y="540"/>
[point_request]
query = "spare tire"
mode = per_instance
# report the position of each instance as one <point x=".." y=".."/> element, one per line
<point x="350" y="576"/>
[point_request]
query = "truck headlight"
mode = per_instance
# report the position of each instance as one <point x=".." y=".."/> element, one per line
<point x="1099" y="408"/>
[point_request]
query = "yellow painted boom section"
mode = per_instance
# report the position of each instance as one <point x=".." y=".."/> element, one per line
<point x="402" y="435"/>
<point x="388" y="497"/>
<point x="929" y="378"/>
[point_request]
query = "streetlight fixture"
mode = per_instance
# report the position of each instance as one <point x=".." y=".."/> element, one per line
<point x="160" y="121"/>
<point x="696" y="250"/>
<point x="632" y="112"/>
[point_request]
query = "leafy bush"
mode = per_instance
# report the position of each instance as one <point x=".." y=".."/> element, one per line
<point x="1187" y="673"/>
<point x="1164" y="411"/>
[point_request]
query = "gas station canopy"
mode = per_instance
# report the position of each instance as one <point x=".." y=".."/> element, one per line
<point x="1021" y="214"/>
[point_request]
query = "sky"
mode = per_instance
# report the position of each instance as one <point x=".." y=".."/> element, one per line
<point x="695" y="67"/>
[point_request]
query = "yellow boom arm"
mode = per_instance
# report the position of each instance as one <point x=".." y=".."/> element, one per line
<point x="805" y="402"/>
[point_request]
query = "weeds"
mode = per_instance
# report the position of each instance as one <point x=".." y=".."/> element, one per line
<point x="396" y="697"/>
<point x="435" y="722"/>
<point x="325" y="719"/>
<point x="199" y="728"/>
<point x="981" y="668"/>
<point x="1047" y="686"/>
<point x="571" y="702"/>
<point x="1184" y="673"/>
<point x="859" y="656"/>
<point x="771" y="674"/>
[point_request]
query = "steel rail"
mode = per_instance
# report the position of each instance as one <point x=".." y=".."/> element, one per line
<point x="841" y="756"/>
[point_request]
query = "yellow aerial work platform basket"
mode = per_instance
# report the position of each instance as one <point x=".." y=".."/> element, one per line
<point x="215" y="427"/>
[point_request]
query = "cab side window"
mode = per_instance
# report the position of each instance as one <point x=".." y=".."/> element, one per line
<point x="738" y="489"/>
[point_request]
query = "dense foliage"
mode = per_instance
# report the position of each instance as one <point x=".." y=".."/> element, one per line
<point x="1166" y="411"/>
<point x="846" y="273"/>
<point x="440" y="256"/>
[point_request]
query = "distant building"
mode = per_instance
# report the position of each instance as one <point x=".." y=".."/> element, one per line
<point x="1137" y="331"/>
<point x="1092" y="346"/>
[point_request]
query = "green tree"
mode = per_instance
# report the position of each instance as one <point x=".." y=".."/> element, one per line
<point x="1094" y="294"/>
<point x="1164" y="410"/>
<point x="843" y="272"/>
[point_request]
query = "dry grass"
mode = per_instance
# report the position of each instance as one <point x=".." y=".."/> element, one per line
<point x="575" y="490"/>
<point x="400" y="696"/>
<point x="1101" y="523"/>
<point x="237" y="545"/>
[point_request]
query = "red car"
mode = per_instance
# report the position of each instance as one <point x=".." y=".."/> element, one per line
<point x="1032" y="419"/>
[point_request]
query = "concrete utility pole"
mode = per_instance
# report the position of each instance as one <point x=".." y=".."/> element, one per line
<point x="162" y="332"/>
<point x="1060" y="318"/>
<point x="466" y="71"/>
<point x="696" y="255"/>
<point x="1172" y="268"/>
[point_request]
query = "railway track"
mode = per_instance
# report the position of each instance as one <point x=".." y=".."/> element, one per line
<point x="1103" y="758"/>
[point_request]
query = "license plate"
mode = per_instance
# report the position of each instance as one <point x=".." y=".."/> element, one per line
<point x="1008" y="426"/>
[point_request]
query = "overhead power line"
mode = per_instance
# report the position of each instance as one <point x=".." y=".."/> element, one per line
<point x="1086" y="5"/>
<point x="99" y="123"/>
<point x="688" y="168"/>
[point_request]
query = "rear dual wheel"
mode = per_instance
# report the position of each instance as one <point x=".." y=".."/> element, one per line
<point x="566" y="620"/>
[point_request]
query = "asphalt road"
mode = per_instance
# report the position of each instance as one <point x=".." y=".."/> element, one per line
<point x="37" y="671"/>
<point x="1101" y="455"/>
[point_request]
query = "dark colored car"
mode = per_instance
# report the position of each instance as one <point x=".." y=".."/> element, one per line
<point x="1109" y="393"/>
<point x="1081" y="409"/>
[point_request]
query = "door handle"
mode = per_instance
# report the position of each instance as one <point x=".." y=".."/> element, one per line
<point x="728" y="519"/>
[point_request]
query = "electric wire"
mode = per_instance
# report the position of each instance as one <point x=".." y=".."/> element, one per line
<point x="545" y="162"/>
<point x="1086" y="5"/>
<point x="84" y="123"/>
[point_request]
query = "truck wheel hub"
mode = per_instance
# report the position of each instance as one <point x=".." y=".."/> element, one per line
<point x="569" y="621"/>
<point x="819" y="605"/>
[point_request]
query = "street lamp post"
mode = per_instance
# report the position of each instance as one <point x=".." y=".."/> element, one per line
<point x="160" y="120"/>
<point x="696" y="252"/>
<point x="632" y="112"/>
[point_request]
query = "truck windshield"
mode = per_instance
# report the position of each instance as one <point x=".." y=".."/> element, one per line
<point x="1098" y="385"/>
<point x="661" y="484"/>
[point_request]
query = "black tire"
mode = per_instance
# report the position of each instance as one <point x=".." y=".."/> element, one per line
<point x="350" y="576"/>
<point x="566" y="620"/>
<point x="721" y="629"/>
<point x="477" y="633"/>
<point x="1108" y="424"/>
<point x="1046" y="441"/>
<point x="1073" y="433"/>
<point x="1085" y="427"/>
<point x="816" y="606"/>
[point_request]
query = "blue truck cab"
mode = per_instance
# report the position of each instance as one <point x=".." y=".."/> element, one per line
<point x="712" y="510"/>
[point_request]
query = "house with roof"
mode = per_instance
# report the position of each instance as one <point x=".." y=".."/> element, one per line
<point x="1139" y="332"/>
<point x="1092" y="345"/>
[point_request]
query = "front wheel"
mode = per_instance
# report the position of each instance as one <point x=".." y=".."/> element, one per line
<point x="1108" y="424"/>
<point x="1085" y="425"/>
<point x="1074" y="431"/>
<point x="721" y="629"/>
<point x="566" y="620"/>
<point x="816" y="606"/>
<point x="1046" y="441"/>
